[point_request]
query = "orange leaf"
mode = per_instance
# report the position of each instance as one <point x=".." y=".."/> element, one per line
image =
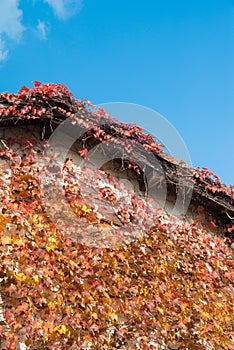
<point x="3" y="222"/>
<point x="5" y="240"/>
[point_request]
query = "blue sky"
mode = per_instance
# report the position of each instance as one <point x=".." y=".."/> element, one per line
<point x="173" y="56"/>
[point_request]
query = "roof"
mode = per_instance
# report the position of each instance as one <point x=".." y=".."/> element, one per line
<point x="51" y="104"/>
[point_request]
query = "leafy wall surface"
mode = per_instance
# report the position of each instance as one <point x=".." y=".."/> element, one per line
<point x="126" y="275"/>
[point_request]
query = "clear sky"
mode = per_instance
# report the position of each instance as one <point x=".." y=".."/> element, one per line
<point x="174" y="56"/>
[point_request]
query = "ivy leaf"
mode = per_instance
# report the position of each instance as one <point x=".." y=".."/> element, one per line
<point x="83" y="152"/>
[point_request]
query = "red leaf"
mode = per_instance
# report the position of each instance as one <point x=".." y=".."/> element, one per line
<point x="36" y="83"/>
<point x="23" y="89"/>
<point x="94" y="284"/>
<point x="83" y="152"/>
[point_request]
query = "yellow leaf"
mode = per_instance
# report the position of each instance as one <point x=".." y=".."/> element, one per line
<point x="113" y="316"/>
<point x="73" y="264"/>
<point x="36" y="279"/>
<point x="85" y="208"/>
<point x="160" y="310"/>
<point x="51" y="247"/>
<point x="52" y="239"/>
<point x="205" y="314"/>
<point x="21" y="276"/>
<point x="17" y="240"/>
<point x="61" y="329"/>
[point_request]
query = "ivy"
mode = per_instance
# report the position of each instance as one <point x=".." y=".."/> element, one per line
<point x="169" y="287"/>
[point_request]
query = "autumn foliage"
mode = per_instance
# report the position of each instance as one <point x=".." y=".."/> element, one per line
<point x="171" y="287"/>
